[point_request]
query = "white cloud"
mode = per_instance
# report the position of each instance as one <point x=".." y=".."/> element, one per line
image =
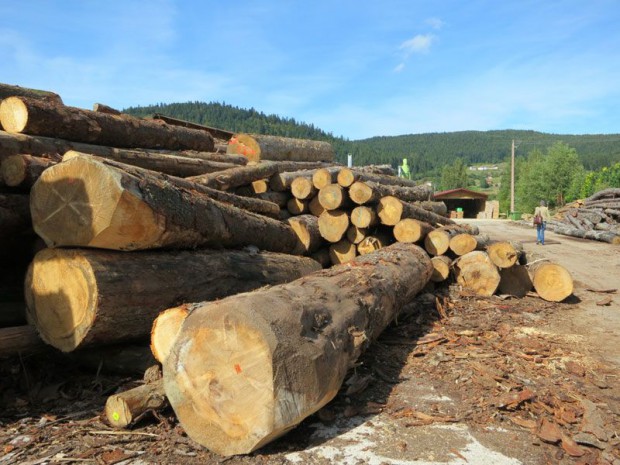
<point x="399" y="68"/>
<point x="435" y="23"/>
<point x="418" y="44"/>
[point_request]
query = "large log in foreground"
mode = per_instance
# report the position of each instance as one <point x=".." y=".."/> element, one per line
<point x="262" y="147"/>
<point x="88" y="297"/>
<point x="86" y="202"/>
<point x="551" y="281"/>
<point x="476" y="273"/>
<point x="7" y="90"/>
<point x="246" y="369"/>
<point x="39" y="117"/>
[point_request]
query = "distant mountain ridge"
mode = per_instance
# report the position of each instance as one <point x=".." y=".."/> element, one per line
<point x="427" y="153"/>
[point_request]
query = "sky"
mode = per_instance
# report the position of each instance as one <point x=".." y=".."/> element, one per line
<point x="354" y="68"/>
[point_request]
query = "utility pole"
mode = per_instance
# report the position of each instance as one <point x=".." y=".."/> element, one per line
<point x="512" y="178"/>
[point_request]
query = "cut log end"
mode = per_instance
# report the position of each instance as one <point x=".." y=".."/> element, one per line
<point x="13" y="114"/>
<point x="441" y="268"/>
<point x="552" y="282"/>
<point x="477" y="273"/>
<point x="333" y="225"/>
<point x="165" y="330"/>
<point x="504" y="254"/>
<point x="411" y="230"/>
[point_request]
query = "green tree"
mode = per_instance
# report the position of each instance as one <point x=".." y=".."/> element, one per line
<point x="454" y="176"/>
<point x="560" y="167"/>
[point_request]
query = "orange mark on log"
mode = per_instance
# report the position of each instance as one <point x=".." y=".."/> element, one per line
<point x="237" y="368"/>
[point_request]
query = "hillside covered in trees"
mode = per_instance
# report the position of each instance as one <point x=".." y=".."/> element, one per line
<point x="427" y="153"/>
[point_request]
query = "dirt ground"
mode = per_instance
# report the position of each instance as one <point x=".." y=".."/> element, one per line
<point x="456" y="380"/>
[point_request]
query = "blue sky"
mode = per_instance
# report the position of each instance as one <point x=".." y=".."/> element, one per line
<point x="354" y="68"/>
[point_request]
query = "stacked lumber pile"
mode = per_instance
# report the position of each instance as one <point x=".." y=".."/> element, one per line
<point x="143" y="232"/>
<point x="596" y="218"/>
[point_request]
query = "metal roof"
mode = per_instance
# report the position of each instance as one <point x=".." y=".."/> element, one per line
<point x="460" y="193"/>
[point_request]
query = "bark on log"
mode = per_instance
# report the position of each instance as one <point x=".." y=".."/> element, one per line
<point x="322" y="257"/>
<point x="215" y="132"/>
<point x="601" y="236"/>
<point x="102" y="108"/>
<point x="38" y="117"/>
<point x="342" y="252"/>
<point x="363" y="217"/>
<point x="302" y="188"/>
<point x="464" y="243"/>
<point x="439" y="208"/>
<point x="164" y="163"/>
<point x="296" y="206"/>
<point x="7" y="90"/>
<point x="165" y="330"/>
<point x="441" y="268"/>
<point x="288" y="348"/>
<point x="371" y="192"/>
<point x="505" y="254"/>
<point x="262" y="147"/>
<point x="20" y="339"/>
<point x="240" y="176"/>
<point x="373" y="243"/>
<point x="356" y="235"/>
<point x="391" y="210"/>
<point x="515" y="281"/>
<point x="122" y="409"/>
<point x="283" y="181"/>
<point x="437" y="242"/>
<point x="306" y="227"/>
<point x="476" y="273"/>
<point x="411" y="230"/>
<point x="315" y="207"/>
<point x="333" y="225"/>
<point x="347" y="176"/>
<point x="333" y="197"/>
<point x="574" y="221"/>
<point x="324" y="176"/>
<point x="87" y="297"/>
<point x="551" y="281"/>
<point x="612" y="192"/>
<point x="85" y="202"/>
<point x="279" y="198"/>
<point x="23" y="170"/>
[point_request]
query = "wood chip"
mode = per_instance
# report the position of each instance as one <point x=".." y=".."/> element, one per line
<point x="571" y="447"/>
<point x="606" y="301"/>
<point x="512" y="400"/>
<point x="549" y="432"/>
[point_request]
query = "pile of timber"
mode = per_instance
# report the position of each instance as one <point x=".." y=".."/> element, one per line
<point x="145" y="233"/>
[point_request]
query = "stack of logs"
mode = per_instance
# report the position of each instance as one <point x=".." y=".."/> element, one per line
<point x="175" y="245"/>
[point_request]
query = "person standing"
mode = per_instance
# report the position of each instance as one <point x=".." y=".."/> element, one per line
<point x="541" y="216"/>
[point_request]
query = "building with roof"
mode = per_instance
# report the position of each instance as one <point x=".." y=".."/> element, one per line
<point x="471" y="202"/>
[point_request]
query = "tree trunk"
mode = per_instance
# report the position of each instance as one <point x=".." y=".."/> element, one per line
<point x="296" y="206"/>
<point x="574" y="221"/>
<point x="165" y="330"/>
<point x="391" y="210"/>
<point x="315" y="207"/>
<point x="441" y="268"/>
<point x="476" y="273"/>
<point x="505" y="254"/>
<point x="283" y="181"/>
<point x="322" y="257"/>
<point x="102" y="108"/>
<point x="23" y="170"/>
<point x="164" y="163"/>
<point x="411" y="230"/>
<point x="333" y="197"/>
<point x="260" y="186"/>
<point x="364" y="217"/>
<point x="302" y="188"/>
<point x="342" y="252"/>
<point x="333" y="225"/>
<point x="123" y="409"/>
<point x="279" y="198"/>
<point x="602" y="236"/>
<point x="373" y="243"/>
<point x="84" y="297"/>
<point x="7" y="90"/>
<point x="240" y="176"/>
<point x="347" y="176"/>
<point x="262" y="147"/>
<point x="306" y="227"/>
<point x="371" y="192"/>
<point x="247" y="369"/>
<point x="325" y="176"/>
<point x="85" y="202"/>
<point x="38" y="117"/>
<point x="215" y="132"/>
<point x="551" y="281"/>
<point x="515" y="281"/>
<point x="437" y="242"/>
<point x="439" y="208"/>
<point x="464" y="243"/>
<point x="20" y="339"/>
<point x="355" y="234"/>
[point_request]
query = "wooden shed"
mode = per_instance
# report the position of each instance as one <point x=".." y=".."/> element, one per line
<point x="471" y="202"/>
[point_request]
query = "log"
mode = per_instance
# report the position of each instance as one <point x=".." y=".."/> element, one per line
<point x="574" y="221"/>
<point x="373" y="243"/>
<point x="464" y="243"/>
<point x="441" y="268"/>
<point x="333" y="197"/>
<point x="260" y="187"/>
<point x="7" y="90"/>
<point x="279" y="198"/>
<point x="324" y="176"/>
<point x="347" y="176"/>
<point x="411" y="230"/>
<point x="215" y="132"/>
<point x="476" y="273"/>
<point x="391" y="210"/>
<point x="363" y="216"/>
<point x="283" y="180"/>
<point x="38" y="117"/>
<point x="601" y="236"/>
<point x="302" y="188"/>
<point x="439" y="208"/>
<point x="23" y="170"/>
<point x="288" y="348"/>
<point x="505" y="254"/>
<point x="102" y="108"/>
<point x="16" y="235"/>
<point x="315" y="207"/>
<point x="370" y="192"/>
<point x="437" y="242"/>
<point x="20" y="340"/>
<point x="85" y="202"/>
<point x="262" y="147"/>
<point x="240" y="176"/>
<point x="15" y="144"/>
<point x="284" y="215"/>
<point x="165" y="330"/>
<point x="164" y="163"/>
<point x="356" y="235"/>
<point x="322" y="257"/>
<point x="306" y="227"/>
<point x="120" y="359"/>
<point x="122" y="409"/>
<point x="515" y="281"/>
<point x="296" y="206"/>
<point x="551" y="281"/>
<point x="81" y="297"/>
<point x="333" y="225"/>
<point x="342" y="252"/>
<point x="377" y="169"/>
<point x="612" y="192"/>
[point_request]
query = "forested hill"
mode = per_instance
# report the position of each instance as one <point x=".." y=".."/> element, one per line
<point x="427" y="153"/>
